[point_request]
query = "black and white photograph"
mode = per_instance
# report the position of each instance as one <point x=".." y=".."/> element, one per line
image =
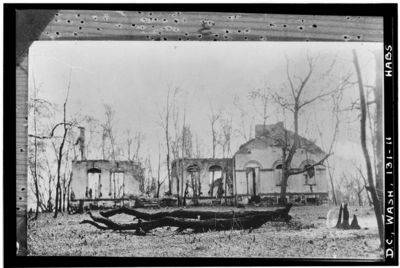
<point x="253" y="146"/>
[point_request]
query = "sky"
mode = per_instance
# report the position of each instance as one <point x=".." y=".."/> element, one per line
<point x="133" y="78"/>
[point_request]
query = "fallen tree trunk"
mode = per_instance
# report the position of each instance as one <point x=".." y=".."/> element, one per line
<point x="251" y="221"/>
<point x="192" y="214"/>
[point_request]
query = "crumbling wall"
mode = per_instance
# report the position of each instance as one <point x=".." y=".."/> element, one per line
<point x="267" y="159"/>
<point x="204" y="164"/>
<point x="80" y="170"/>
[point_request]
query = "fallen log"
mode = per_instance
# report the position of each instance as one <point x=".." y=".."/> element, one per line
<point x="198" y="225"/>
<point x="192" y="214"/>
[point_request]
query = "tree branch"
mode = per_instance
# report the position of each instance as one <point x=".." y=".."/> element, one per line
<point x="95" y="224"/>
<point x="303" y="84"/>
<point x="288" y="77"/>
<point x="282" y="102"/>
<point x="314" y="99"/>
<point x="52" y="131"/>
<point x="309" y="167"/>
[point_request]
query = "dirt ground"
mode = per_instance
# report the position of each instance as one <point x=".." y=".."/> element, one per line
<point x="310" y="234"/>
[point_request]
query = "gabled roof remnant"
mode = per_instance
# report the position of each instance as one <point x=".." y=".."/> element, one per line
<point x="275" y="135"/>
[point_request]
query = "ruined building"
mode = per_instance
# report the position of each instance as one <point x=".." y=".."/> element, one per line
<point x="253" y="173"/>
<point x="203" y="177"/>
<point x="255" y="170"/>
<point x="104" y="180"/>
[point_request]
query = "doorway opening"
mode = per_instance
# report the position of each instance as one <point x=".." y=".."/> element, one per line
<point x="93" y="188"/>
<point x="216" y="182"/>
<point x="117" y="184"/>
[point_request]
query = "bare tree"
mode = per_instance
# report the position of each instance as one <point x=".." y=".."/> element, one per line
<point x="213" y="117"/>
<point x="337" y="97"/>
<point x="188" y="141"/>
<point x="165" y="120"/>
<point x="359" y="189"/>
<point x="159" y="181"/>
<point x="128" y="144"/>
<point x="378" y="135"/>
<point x="138" y="140"/>
<point x="64" y="181"/>
<point x="108" y="132"/>
<point x="263" y="97"/>
<point x="245" y="130"/>
<point x="103" y="143"/>
<point x="197" y="150"/>
<point x="365" y="185"/>
<point x="363" y="118"/>
<point x="226" y="135"/>
<point x="60" y="151"/>
<point x="51" y="186"/>
<point x="38" y="109"/>
<point x="295" y="104"/>
<point x="148" y="184"/>
<point x="67" y="177"/>
<point x="35" y="157"/>
<point x="183" y="154"/>
<point x="59" y="155"/>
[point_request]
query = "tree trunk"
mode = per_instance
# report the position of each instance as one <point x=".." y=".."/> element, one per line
<point x="379" y="128"/>
<point x="244" y="220"/>
<point x="68" y="199"/>
<point x="59" y="162"/>
<point x="189" y="214"/>
<point x="354" y="223"/>
<point x="169" y="169"/>
<point x="225" y="185"/>
<point x="288" y="159"/>
<point x="56" y="201"/>
<point x="194" y="191"/>
<point x="332" y="184"/>
<point x="339" y="221"/>
<point x="35" y="163"/>
<point x="365" y="187"/>
<point x="60" y="200"/>
<point x="285" y="177"/>
<point x="63" y="202"/>
<point x="158" y="172"/>
<point x="345" y="224"/>
<point x="185" y="193"/>
<point x="360" y="202"/>
<point x="168" y="148"/>
<point x="212" y="184"/>
<point x="375" y="199"/>
<point x="36" y="184"/>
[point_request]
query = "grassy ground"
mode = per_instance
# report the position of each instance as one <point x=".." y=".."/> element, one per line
<point x="310" y="234"/>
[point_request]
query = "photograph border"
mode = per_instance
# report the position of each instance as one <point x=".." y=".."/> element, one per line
<point x="26" y="23"/>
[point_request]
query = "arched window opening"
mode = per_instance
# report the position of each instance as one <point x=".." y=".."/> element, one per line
<point x="252" y="177"/>
<point x="117" y="184"/>
<point x="194" y="179"/>
<point x="93" y="188"/>
<point x="278" y="174"/>
<point x="309" y="175"/>
<point x="216" y="182"/>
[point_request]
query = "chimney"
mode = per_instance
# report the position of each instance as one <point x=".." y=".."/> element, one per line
<point x="265" y="130"/>
<point x="82" y="142"/>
